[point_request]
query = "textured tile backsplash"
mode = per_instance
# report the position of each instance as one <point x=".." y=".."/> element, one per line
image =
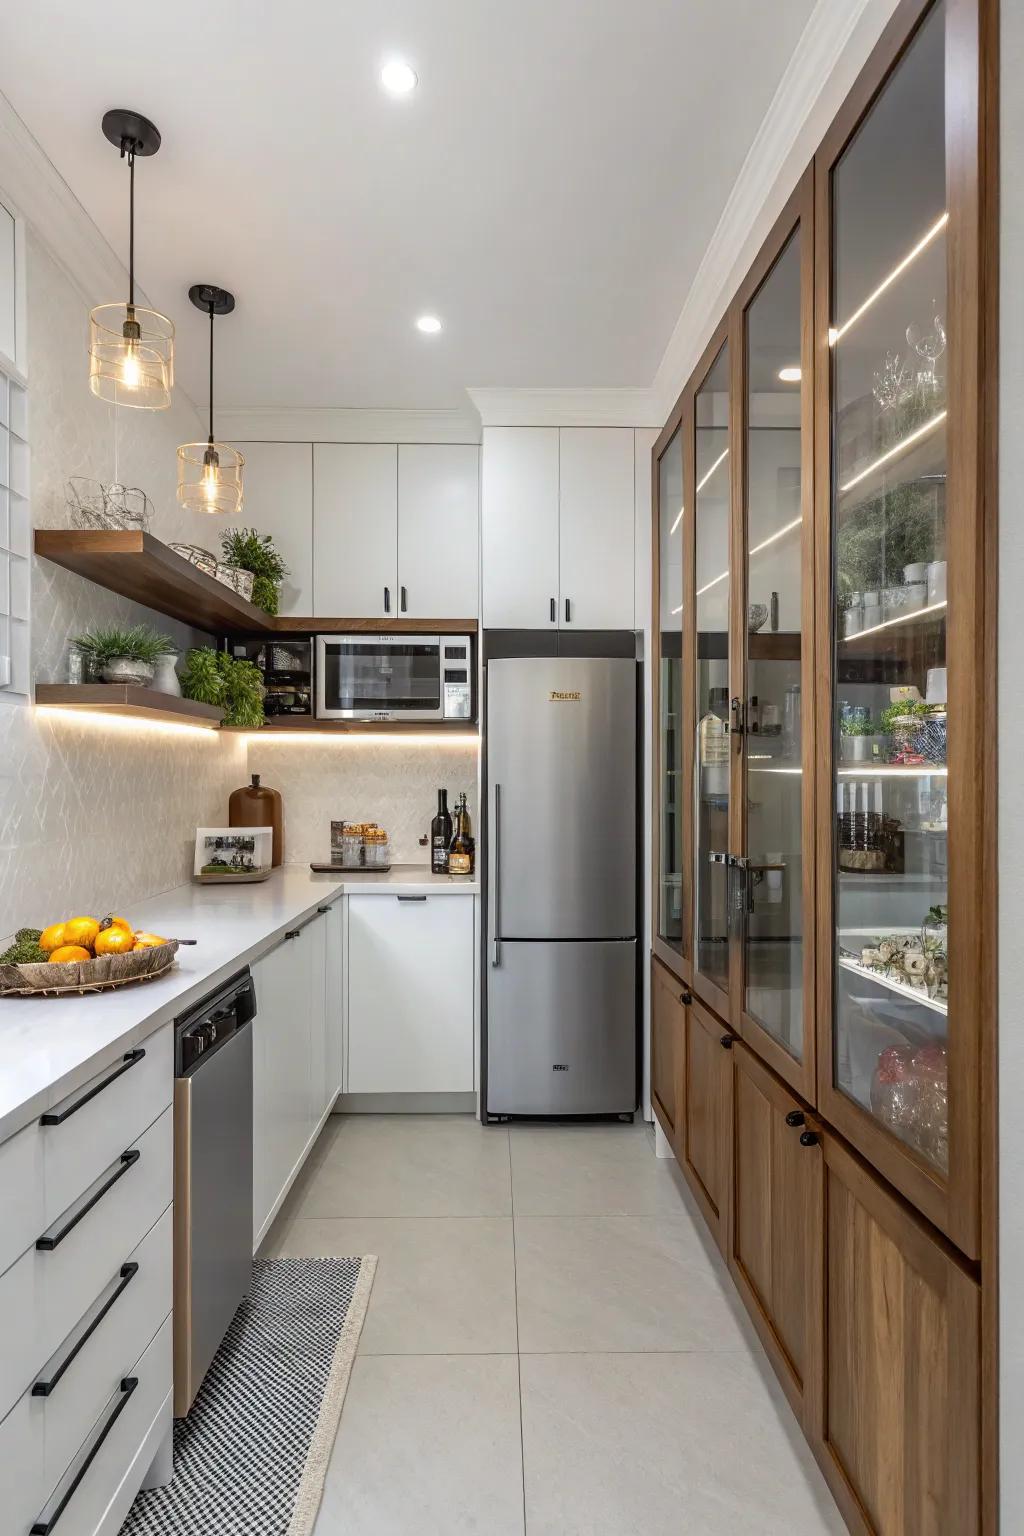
<point x="393" y="783"/>
<point x="97" y="814"/>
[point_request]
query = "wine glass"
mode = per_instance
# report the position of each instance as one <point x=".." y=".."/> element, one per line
<point x="929" y="346"/>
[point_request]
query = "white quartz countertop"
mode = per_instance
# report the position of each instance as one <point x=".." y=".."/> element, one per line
<point x="49" y="1045"/>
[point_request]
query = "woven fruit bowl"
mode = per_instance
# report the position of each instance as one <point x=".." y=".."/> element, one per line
<point x="45" y="979"/>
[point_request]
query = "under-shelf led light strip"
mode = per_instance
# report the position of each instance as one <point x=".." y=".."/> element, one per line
<point x="894" y="452"/>
<point x="834" y="334"/>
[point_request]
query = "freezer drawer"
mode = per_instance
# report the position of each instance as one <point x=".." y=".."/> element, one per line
<point x="561" y="1029"/>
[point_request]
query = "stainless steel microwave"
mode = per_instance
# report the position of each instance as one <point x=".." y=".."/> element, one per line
<point x="394" y="677"/>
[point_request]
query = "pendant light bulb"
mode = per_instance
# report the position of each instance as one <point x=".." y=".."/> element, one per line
<point x="210" y="473"/>
<point x="131" y="348"/>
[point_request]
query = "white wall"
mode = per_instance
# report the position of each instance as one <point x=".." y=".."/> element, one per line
<point x="1011" y="756"/>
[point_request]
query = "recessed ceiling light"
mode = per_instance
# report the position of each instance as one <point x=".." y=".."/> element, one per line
<point x="428" y="324"/>
<point x="789" y="375"/>
<point x="398" y="78"/>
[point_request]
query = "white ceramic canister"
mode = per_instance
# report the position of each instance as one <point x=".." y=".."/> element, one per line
<point x="165" y="677"/>
<point x="937" y="581"/>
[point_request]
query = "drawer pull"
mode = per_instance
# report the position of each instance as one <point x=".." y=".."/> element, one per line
<point x="44" y="1388"/>
<point x="412" y="898"/>
<point x="726" y="1042"/>
<point x="129" y="1061"/>
<point x="44" y="1527"/>
<point x="49" y="1242"/>
<point x="795" y="1117"/>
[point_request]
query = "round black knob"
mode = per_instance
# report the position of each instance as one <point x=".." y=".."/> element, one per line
<point x="809" y="1139"/>
<point x="726" y="1042"/>
<point x="686" y="997"/>
<point x="795" y="1117"/>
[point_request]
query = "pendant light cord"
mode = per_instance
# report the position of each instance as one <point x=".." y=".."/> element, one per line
<point x="128" y="146"/>
<point x="211" y="373"/>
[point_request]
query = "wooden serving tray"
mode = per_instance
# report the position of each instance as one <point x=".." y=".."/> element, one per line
<point x="349" y="869"/>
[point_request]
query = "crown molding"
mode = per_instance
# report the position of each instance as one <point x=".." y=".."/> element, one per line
<point x="832" y="49"/>
<point x="341" y="424"/>
<point x="567" y="407"/>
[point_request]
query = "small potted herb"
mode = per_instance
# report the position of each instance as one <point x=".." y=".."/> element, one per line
<point x="234" y="685"/>
<point x="124" y="655"/>
<point x="859" y="739"/>
<point x="250" y="550"/>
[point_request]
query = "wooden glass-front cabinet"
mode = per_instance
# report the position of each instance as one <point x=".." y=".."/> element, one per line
<point x="669" y="895"/>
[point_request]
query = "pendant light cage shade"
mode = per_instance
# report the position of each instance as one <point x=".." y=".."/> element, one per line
<point x="210" y="478"/>
<point x="131" y="356"/>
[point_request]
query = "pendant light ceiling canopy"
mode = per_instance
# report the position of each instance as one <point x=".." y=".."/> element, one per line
<point x="131" y="348"/>
<point x="210" y="474"/>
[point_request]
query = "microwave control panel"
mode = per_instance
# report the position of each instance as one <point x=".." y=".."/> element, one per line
<point x="456" y="676"/>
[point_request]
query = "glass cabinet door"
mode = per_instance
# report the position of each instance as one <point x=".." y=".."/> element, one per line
<point x="712" y="765"/>
<point x="670" y="693"/>
<point x="773" y="931"/>
<point x="888" y="326"/>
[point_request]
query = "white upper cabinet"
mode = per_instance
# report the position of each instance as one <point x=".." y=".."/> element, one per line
<point x="558" y="528"/>
<point x="438" y="530"/>
<point x="520" y="527"/>
<point x="355" y="530"/>
<point x="596" y="525"/>
<point x="279" y="501"/>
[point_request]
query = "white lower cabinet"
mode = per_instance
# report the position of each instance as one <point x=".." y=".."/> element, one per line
<point x="410" y="994"/>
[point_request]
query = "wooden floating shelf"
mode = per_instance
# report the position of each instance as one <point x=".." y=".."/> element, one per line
<point x="141" y="567"/>
<point x="136" y="703"/>
<point x="305" y="724"/>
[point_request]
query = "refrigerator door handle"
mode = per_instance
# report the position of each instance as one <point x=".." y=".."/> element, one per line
<point x="496" y="956"/>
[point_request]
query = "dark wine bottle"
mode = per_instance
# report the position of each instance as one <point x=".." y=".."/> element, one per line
<point x="440" y="835"/>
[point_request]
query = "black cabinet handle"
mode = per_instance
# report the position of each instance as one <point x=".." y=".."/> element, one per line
<point x="686" y="997"/>
<point x="796" y="1117"/>
<point x="726" y="1042"/>
<point x="567" y="617"/>
<point x="809" y="1138"/>
<point x="412" y="898"/>
<point x="47" y="1244"/>
<point x="387" y="599"/>
<point x="126" y="1065"/>
<point x="405" y="600"/>
<point x="293" y="933"/>
<point x="322" y="910"/>
<point x="554" y="612"/>
<point x="44" y="1527"/>
<point x="43" y="1388"/>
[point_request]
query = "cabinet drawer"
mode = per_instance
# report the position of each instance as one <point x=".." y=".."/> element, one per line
<point x="22" y="1193"/>
<point x="113" y="1444"/>
<point x="104" y="1116"/>
<point x="48" y="1291"/>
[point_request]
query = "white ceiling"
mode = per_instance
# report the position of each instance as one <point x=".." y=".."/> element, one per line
<point x="548" y="190"/>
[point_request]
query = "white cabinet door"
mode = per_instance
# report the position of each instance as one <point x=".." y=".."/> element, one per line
<point x="334" y="997"/>
<point x="314" y="940"/>
<point x="281" y="1071"/>
<point x="355" y="530"/>
<point x="596" y="525"/>
<point x="520" y="527"/>
<point x="279" y="501"/>
<point x="410" y="994"/>
<point x="438" y="530"/>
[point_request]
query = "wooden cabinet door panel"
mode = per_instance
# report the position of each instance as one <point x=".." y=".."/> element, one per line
<point x="899" y="1425"/>
<point x="775" y="1215"/>
<point x="667" y="1027"/>
<point x="705" y="1098"/>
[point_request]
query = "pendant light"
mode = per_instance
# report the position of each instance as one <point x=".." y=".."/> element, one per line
<point x="210" y="474"/>
<point x="131" y="349"/>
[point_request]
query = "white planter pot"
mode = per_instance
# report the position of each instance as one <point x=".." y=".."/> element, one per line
<point x="165" y="678"/>
<point x="122" y="669"/>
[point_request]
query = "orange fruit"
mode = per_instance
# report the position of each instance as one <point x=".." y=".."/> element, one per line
<point x="114" y="941"/>
<point x="52" y="937"/>
<point x="110" y="921"/>
<point x="66" y="952"/>
<point x="81" y="930"/>
<point x="148" y="941"/>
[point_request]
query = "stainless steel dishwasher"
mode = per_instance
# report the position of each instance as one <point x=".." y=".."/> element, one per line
<point x="212" y="1176"/>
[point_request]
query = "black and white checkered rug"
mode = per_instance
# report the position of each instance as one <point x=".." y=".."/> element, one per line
<point x="250" y="1458"/>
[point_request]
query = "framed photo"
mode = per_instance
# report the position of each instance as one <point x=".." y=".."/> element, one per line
<point x="233" y="855"/>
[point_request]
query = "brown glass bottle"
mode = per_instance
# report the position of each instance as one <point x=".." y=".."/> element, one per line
<point x="462" y="853"/>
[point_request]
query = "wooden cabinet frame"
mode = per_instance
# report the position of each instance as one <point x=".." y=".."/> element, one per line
<point x="953" y="1204"/>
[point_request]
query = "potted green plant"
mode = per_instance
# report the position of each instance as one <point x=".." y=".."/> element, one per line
<point x="250" y="550"/>
<point x="124" y="655"/>
<point x="231" y="683"/>
<point x="859" y="739"/>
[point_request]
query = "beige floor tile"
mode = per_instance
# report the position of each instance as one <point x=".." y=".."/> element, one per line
<point x="405" y="1165"/>
<point x="664" y="1445"/>
<point x="590" y="1171"/>
<point x="428" y="1444"/>
<point x="444" y="1285"/>
<point x="621" y="1283"/>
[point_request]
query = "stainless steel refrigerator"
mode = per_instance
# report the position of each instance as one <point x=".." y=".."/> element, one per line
<point x="562" y="886"/>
